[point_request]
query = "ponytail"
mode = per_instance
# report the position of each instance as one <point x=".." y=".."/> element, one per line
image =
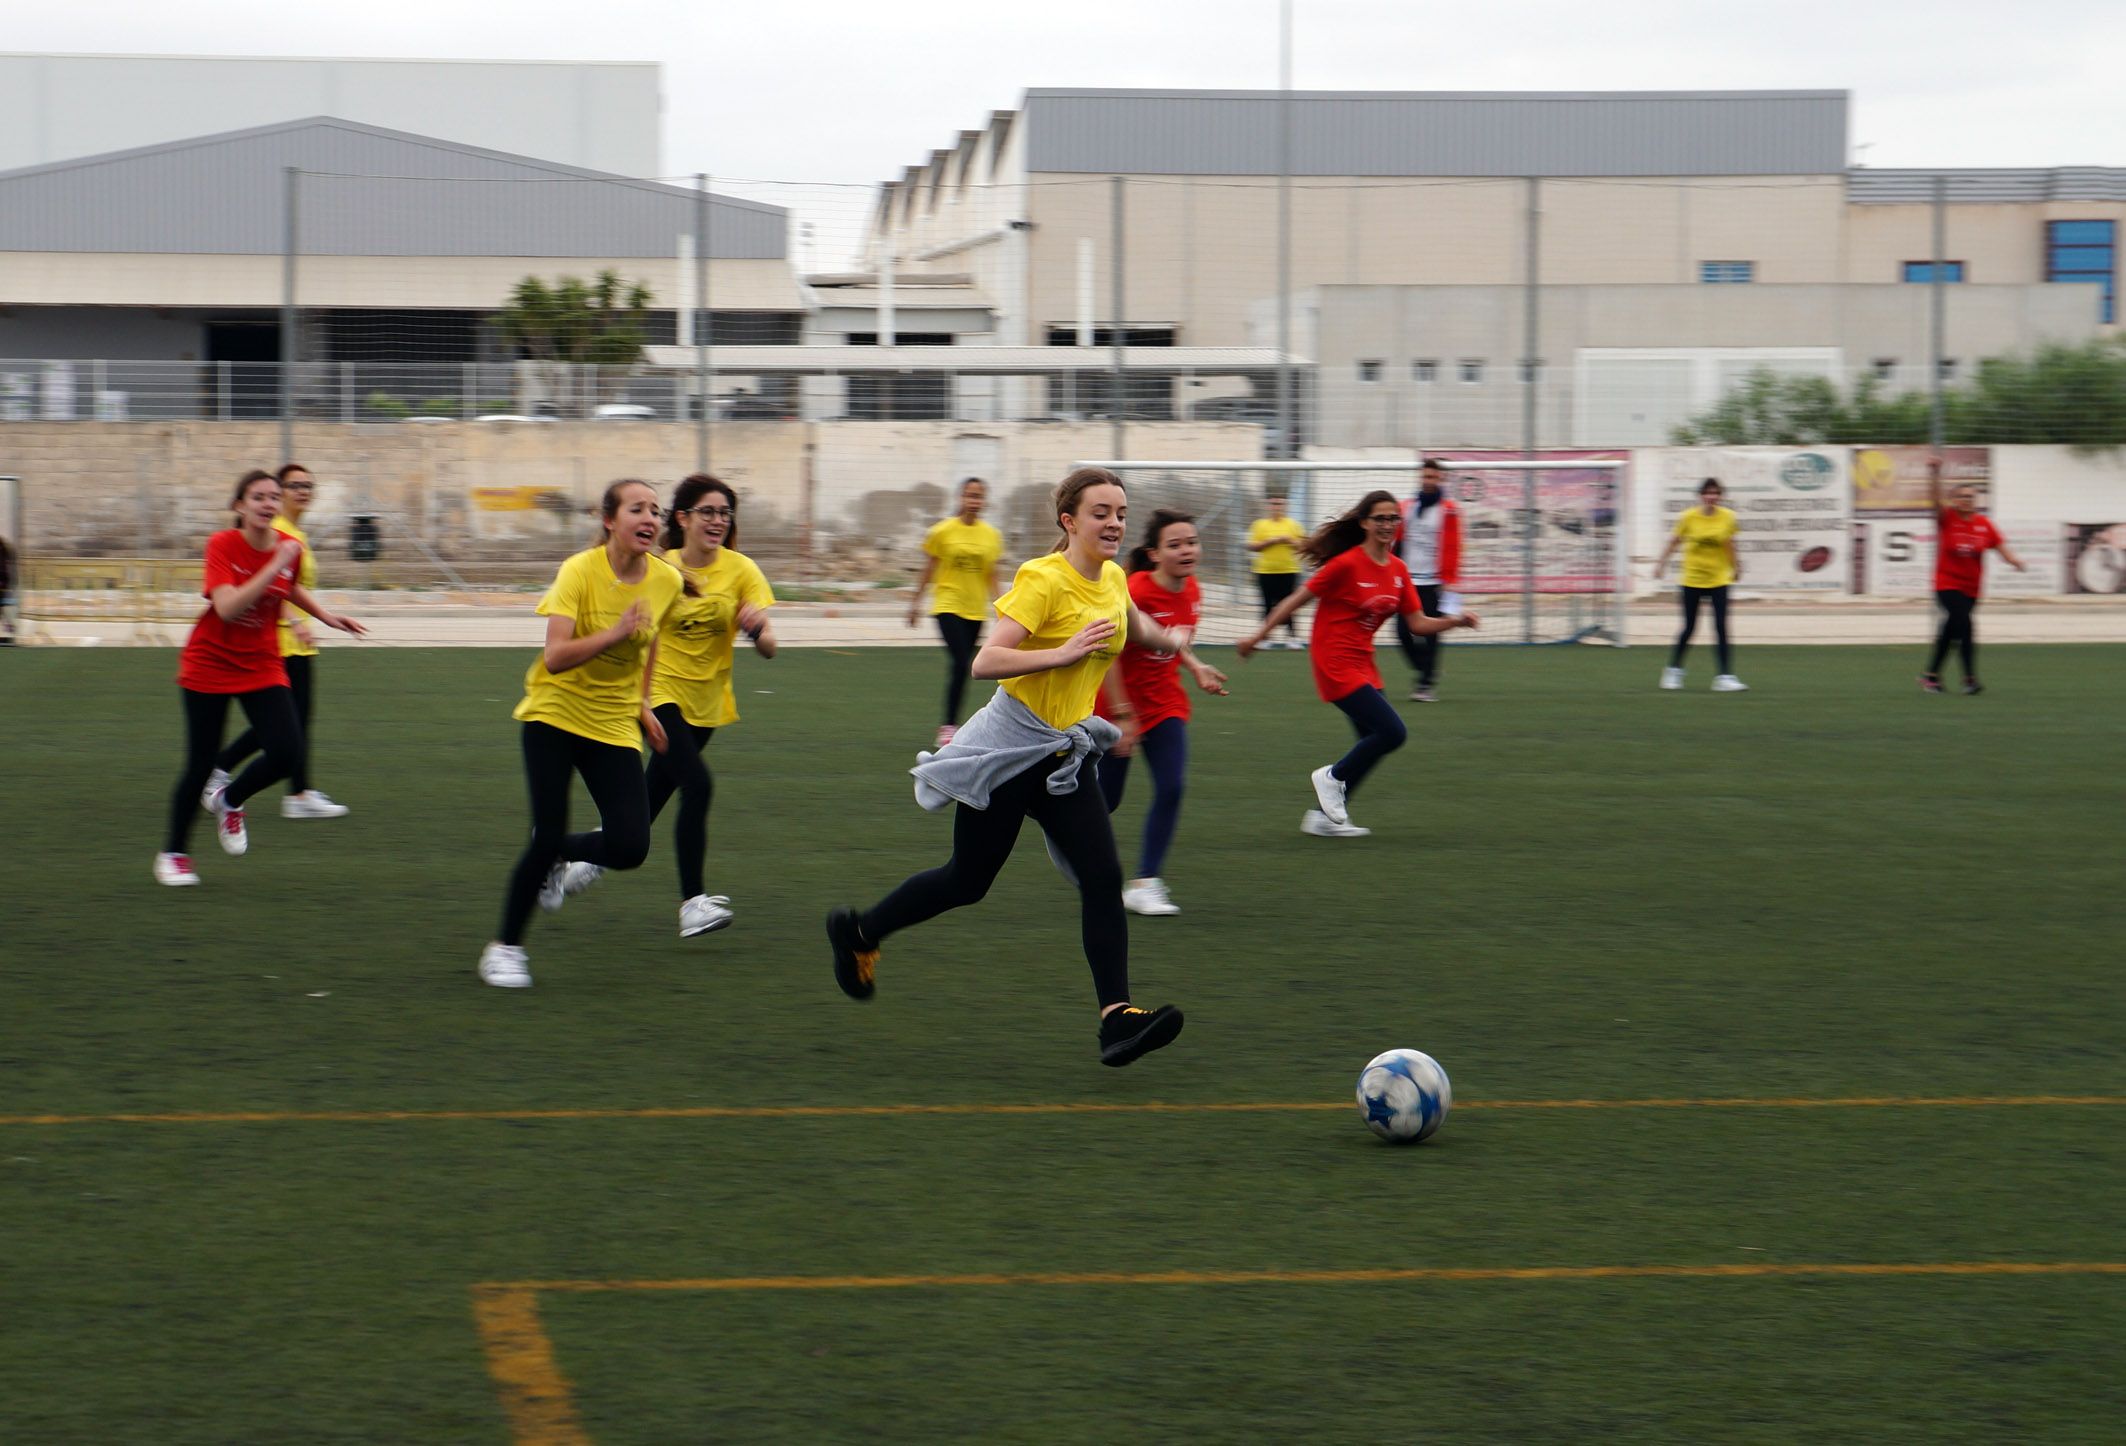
<point x="1342" y="533"/>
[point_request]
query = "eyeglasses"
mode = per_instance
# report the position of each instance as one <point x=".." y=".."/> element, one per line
<point x="713" y="513"/>
<point x="1385" y="519"/>
<point x="298" y="486"/>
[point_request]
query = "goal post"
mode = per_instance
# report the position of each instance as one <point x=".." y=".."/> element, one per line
<point x="1544" y="556"/>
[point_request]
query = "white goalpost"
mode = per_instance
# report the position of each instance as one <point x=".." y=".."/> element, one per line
<point x="1544" y="557"/>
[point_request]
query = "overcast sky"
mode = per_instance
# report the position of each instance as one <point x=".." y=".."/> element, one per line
<point x="839" y="91"/>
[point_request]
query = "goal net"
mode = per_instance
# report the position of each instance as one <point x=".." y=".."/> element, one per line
<point x="1543" y="559"/>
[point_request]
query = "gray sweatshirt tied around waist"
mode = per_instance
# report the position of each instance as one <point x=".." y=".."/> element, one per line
<point x="1001" y="741"/>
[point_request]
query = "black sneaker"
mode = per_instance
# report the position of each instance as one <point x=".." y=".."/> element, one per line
<point x="853" y="961"/>
<point x="1971" y="686"/>
<point x="1129" y="1031"/>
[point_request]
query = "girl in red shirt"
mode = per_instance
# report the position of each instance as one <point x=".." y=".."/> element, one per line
<point x="1149" y="706"/>
<point x="234" y="652"/>
<point x="1360" y="583"/>
<point x="1960" y="549"/>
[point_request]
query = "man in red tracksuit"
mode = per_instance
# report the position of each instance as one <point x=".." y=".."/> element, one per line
<point x="1430" y="545"/>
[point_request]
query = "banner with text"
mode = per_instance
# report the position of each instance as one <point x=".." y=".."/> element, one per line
<point x="1792" y="506"/>
<point x="1894" y="479"/>
<point x="1577" y="513"/>
<point x="1896" y="557"/>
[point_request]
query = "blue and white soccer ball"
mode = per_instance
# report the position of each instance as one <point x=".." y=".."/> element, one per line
<point x="1404" y="1096"/>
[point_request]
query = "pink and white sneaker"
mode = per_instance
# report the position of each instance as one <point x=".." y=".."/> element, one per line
<point x="175" y="870"/>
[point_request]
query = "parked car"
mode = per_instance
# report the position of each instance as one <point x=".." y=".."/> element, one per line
<point x="623" y="412"/>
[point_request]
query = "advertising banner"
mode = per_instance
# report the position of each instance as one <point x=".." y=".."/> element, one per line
<point x="1576" y="519"/>
<point x="2095" y="558"/>
<point x="1894" y="479"/>
<point x="1792" y="507"/>
<point x="1896" y="557"/>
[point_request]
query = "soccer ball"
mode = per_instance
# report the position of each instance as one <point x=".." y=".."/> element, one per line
<point x="1403" y="1095"/>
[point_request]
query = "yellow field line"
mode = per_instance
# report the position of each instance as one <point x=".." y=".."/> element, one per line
<point x="1073" y="1107"/>
<point x="536" y="1395"/>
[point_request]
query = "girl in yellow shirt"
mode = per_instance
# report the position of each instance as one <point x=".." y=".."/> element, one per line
<point x="1274" y="539"/>
<point x="1030" y="753"/>
<point x="1706" y="533"/>
<point x="690" y="689"/>
<point x="961" y="553"/>
<point x="586" y="709"/>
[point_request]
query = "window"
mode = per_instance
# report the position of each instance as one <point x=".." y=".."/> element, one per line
<point x="1369" y="371"/>
<point x="1062" y="335"/>
<point x="1923" y="271"/>
<point x="1472" y="370"/>
<point x="1727" y="271"/>
<point x="2084" y="251"/>
<point x="1885" y="368"/>
<point x="1529" y="370"/>
<point x="1424" y="371"/>
<point x="1947" y="369"/>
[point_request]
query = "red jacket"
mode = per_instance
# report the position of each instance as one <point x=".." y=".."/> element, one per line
<point x="1450" y="538"/>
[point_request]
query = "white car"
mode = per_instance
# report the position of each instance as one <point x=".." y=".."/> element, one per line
<point x="623" y="412"/>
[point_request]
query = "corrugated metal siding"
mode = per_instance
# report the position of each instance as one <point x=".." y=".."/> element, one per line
<point x="1996" y="185"/>
<point x="1235" y="133"/>
<point x="386" y="194"/>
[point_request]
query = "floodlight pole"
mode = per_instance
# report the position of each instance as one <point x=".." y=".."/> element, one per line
<point x="1937" y="308"/>
<point x="700" y="321"/>
<point x="1117" y="335"/>
<point x="291" y="185"/>
<point x="1530" y="517"/>
<point x="1285" y="408"/>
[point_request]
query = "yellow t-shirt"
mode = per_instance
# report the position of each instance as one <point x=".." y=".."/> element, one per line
<point x="694" y="650"/>
<point x="600" y="698"/>
<point x="1053" y="603"/>
<point x="966" y="555"/>
<point x="1283" y="557"/>
<point x="306" y="574"/>
<point x="1705" y="539"/>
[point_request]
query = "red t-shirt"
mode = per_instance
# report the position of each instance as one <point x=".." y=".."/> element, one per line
<point x="1960" y="551"/>
<point x="1152" y="681"/>
<point x="244" y="655"/>
<point x="1354" y="595"/>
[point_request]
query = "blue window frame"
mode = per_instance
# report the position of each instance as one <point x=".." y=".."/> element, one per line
<point x="2086" y="252"/>
<point x="1923" y="271"/>
<point x="1727" y="271"/>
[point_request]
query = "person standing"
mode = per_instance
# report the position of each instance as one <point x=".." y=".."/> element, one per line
<point x="1152" y="710"/>
<point x="298" y="647"/>
<point x="586" y="710"/>
<point x="1273" y="538"/>
<point x="961" y="554"/>
<point x="1028" y="753"/>
<point x="1965" y="535"/>
<point x="233" y="651"/>
<point x="1360" y="583"/>
<point x="1430" y="542"/>
<point x="1706" y="533"/>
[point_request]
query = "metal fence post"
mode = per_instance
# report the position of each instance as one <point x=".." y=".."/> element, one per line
<point x="1116" y="332"/>
<point x="291" y="177"/>
<point x="1531" y="517"/>
<point x="701" y="320"/>
<point x="1937" y="313"/>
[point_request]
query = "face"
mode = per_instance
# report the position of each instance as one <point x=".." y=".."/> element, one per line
<point x="1966" y="499"/>
<point x="1382" y="518"/>
<point x="634" y="521"/>
<point x="261" y="504"/>
<point x="1276" y="506"/>
<point x="972" y="498"/>
<point x="708" y="522"/>
<point x="297" y="488"/>
<point x="1428" y="483"/>
<point x="1178" y="550"/>
<point x="1710" y="497"/>
<point x="1102" y="515"/>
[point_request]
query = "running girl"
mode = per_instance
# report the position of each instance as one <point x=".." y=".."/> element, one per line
<point x="1273" y="538"/>
<point x="1360" y="583"/>
<point x="298" y="654"/>
<point x="961" y="553"/>
<point x="234" y="652"/>
<point x="1025" y="753"/>
<point x="1152" y="711"/>
<point x="690" y="691"/>
<point x="1966" y="536"/>
<point x="1706" y="533"/>
<point x="586" y="709"/>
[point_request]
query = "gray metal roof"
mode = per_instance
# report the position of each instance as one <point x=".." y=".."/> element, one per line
<point x="1995" y="185"/>
<point x="1439" y="133"/>
<point x="364" y="191"/>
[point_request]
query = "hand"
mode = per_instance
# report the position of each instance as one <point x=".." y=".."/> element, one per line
<point x="632" y="620"/>
<point x="751" y="618"/>
<point x="911" y="616"/>
<point x="1245" y="648"/>
<point x="289" y="551"/>
<point x="2021" y="566"/>
<point x="1210" y="680"/>
<point x="344" y="623"/>
<point x="1127" y="722"/>
<point x="303" y="636"/>
<point x="1467" y="620"/>
<point x="1088" y="640"/>
<point x="653" y="730"/>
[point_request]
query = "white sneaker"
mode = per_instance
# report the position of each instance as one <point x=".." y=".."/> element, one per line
<point x="1055" y="856"/>
<point x="1729" y="683"/>
<point x="216" y="782"/>
<point x="228" y="824"/>
<point x="577" y="877"/>
<point x="550" y="893"/>
<point x="1148" y="896"/>
<point x="703" y="914"/>
<point x="175" y="870"/>
<point x="1671" y="679"/>
<point x="1331" y="790"/>
<point x="1321" y="825"/>
<point x="311" y="804"/>
<point x="506" y="966"/>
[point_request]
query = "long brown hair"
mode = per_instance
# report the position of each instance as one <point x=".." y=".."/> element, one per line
<point x="1070" y="496"/>
<point x="1340" y="534"/>
<point x="1140" y="556"/>
<point x="686" y="496"/>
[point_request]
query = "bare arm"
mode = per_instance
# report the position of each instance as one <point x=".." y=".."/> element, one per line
<point x="759" y="627"/>
<point x="915" y="604"/>
<point x="564" y="650"/>
<point x="1667" y="552"/>
<point x="1300" y="598"/>
<point x="231" y="601"/>
<point x="1147" y="634"/>
<point x="1208" y="678"/>
<point x="1002" y="657"/>
<point x="1424" y="627"/>
<point x="2009" y="556"/>
<point x="302" y="598"/>
<point x="1734" y="560"/>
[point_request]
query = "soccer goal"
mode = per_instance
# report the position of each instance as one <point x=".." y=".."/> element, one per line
<point x="1543" y="556"/>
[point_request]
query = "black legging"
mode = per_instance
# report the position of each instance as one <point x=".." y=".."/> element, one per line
<point x="681" y="769"/>
<point x="1380" y="731"/>
<point x="1276" y="587"/>
<point x="271" y="713"/>
<point x="622" y="839"/>
<point x="981" y="841"/>
<point x="1422" y="651"/>
<point x="301" y="679"/>
<point x="962" y="637"/>
<point x="1959" y="625"/>
<point x="1692" y="597"/>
